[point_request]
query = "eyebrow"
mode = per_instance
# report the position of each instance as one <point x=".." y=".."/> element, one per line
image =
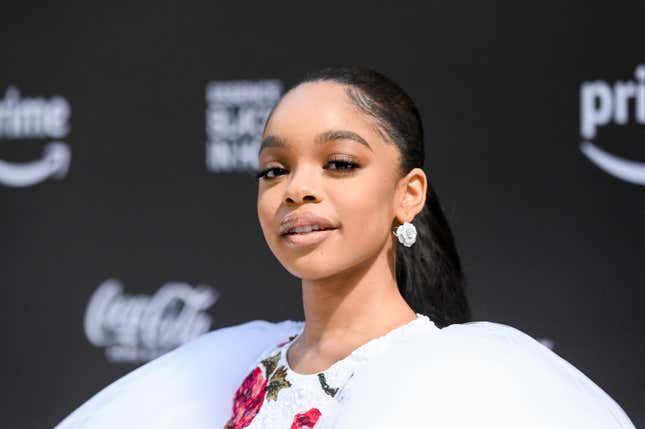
<point x="327" y="136"/>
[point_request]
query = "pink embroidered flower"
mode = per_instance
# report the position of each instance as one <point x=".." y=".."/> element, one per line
<point x="306" y="420"/>
<point x="248" y="400"/>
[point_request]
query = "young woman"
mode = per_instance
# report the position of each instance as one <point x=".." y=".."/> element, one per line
<point x="344" y="205"/>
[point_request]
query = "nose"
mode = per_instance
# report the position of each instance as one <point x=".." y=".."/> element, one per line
<point x="301" y="187"/>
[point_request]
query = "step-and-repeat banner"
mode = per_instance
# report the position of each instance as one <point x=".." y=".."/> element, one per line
<point x="128" y="142"/>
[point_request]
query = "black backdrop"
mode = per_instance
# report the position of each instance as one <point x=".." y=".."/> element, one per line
<point x="120" y="240"/>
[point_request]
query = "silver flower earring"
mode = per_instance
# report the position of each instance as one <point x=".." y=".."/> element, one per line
<point x="406" y="233"/>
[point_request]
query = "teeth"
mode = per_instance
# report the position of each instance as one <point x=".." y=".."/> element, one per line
<point x="305" y="229"/>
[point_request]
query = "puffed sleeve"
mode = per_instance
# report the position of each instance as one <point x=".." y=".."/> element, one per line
<point x="190" y="387"/>
<point x="474" y="375"/>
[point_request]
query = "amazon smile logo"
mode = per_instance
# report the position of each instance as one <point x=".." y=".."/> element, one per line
<point x="602" y="103"/>
<point x="35" y="118"/>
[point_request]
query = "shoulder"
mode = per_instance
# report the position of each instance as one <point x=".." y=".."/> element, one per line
<point x="484" y="374"/>
<point x="487" y="350"/>
<point x="467" y="345"/>
<point x="515" y="372"/>
<point x="253" y="335"/>
<point x="486" y="343"/>
<point x="191" y="386"/>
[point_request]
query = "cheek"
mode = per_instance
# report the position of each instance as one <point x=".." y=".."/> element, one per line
<point x="267" y="206"/>
<point x="365" y="208"/>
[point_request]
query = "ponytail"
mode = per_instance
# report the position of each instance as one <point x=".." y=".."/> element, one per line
<point x="429" y="272"/>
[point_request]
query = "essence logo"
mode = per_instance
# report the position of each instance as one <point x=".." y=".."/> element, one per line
<point x="235" y="115"/>
<point x="602" y="103"/>
<point x="35" y="118"/>
<point x="138" y="328"/>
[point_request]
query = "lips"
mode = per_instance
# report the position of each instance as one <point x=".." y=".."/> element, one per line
<point x="304" y="223"/>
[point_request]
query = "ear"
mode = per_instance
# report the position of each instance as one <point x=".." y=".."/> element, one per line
<point x="412" y="195"/>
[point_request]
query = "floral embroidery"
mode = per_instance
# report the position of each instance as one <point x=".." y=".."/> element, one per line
<point x="250" y="396"/>
<point x="331" y="391"/>
<point x="248" y="400"/>
<point x="271" y="363"/>
<point x="277" y="382"/>
<point x="306" y="420"/>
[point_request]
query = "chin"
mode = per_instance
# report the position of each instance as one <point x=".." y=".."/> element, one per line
<point x="318" y="266"/>
<point x="307" y="268"/>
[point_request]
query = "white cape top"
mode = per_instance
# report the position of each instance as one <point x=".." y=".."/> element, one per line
<point x="471" y="375"/>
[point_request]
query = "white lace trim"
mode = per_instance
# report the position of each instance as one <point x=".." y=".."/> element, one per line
<point x="362" y="352"/>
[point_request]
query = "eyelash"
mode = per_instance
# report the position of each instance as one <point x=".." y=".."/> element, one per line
<point x="349" y="167"/>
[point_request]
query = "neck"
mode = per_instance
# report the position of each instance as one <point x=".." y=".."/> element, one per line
<point x="353" y="307"/>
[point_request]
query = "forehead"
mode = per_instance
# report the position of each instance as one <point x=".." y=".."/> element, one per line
<point x="316" y="107"/>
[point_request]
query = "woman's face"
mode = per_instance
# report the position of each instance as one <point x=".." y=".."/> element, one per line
<point x="323" y="164"/>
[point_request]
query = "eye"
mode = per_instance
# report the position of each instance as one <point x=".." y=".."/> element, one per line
<point x="270" y="173"/>
<point x="342" y="165"/>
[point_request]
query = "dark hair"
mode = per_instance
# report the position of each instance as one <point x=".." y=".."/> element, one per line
<point x="428" y="274"/>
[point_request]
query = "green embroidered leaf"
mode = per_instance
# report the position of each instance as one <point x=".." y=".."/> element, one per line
<point x="331" y="391"/>
<point x="271" y="363"/>
<point x="277" y="382"/>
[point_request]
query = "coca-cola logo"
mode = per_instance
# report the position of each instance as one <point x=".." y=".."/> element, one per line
<point x="138" y="328"/>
